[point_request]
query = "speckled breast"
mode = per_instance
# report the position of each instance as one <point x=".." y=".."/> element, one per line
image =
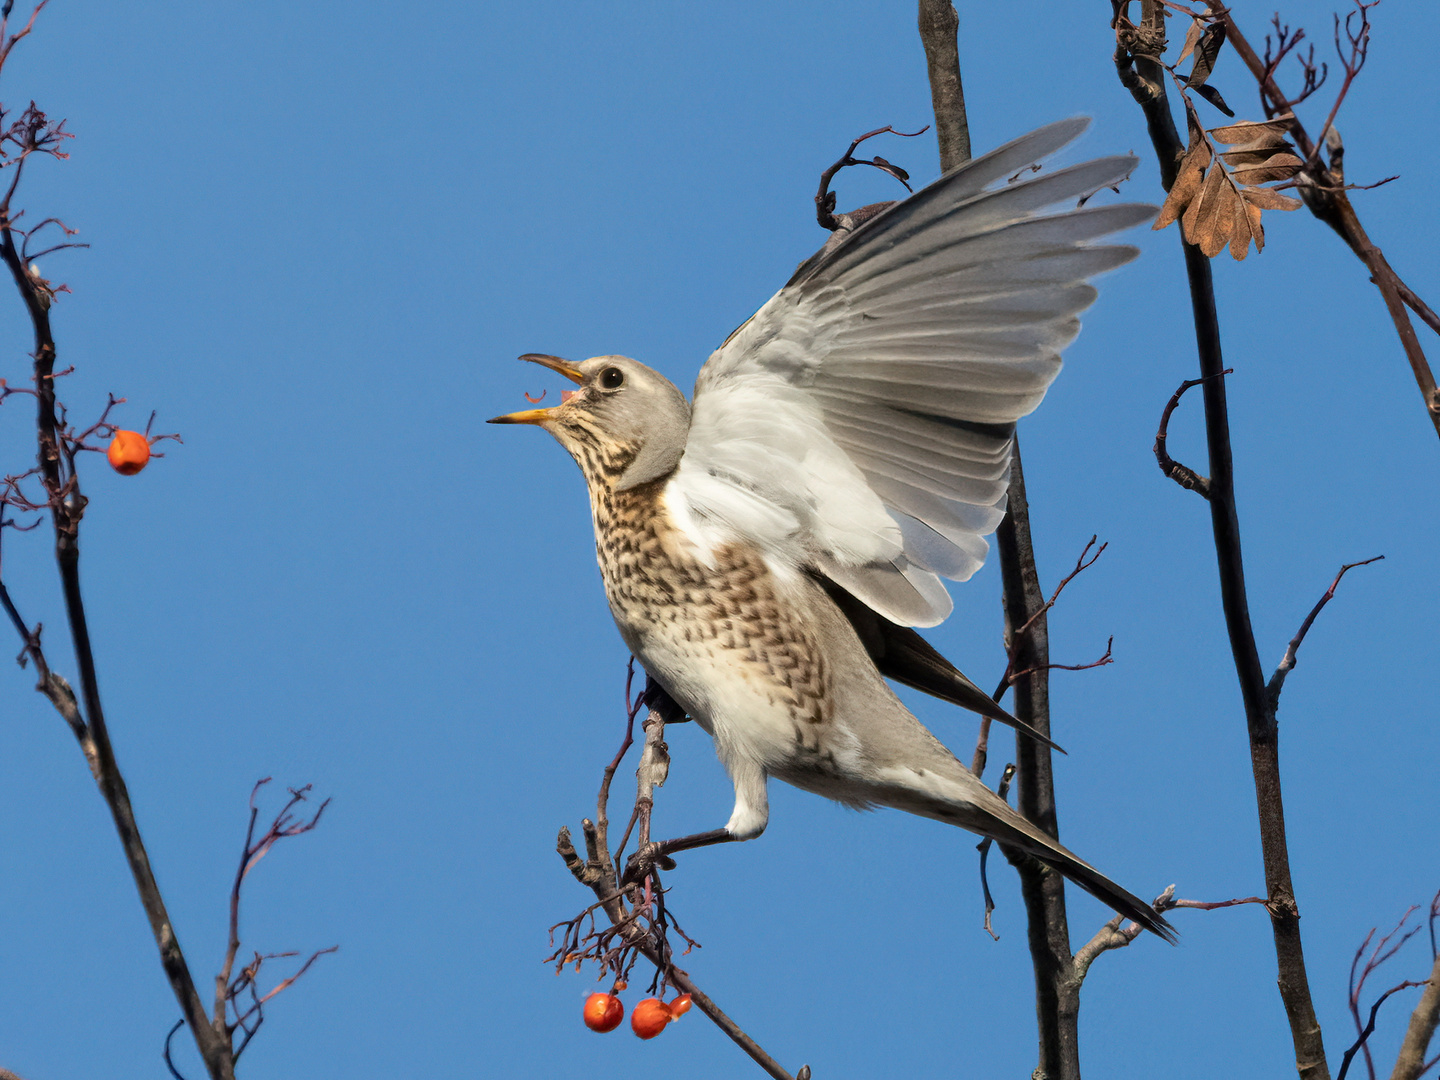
<point x="699" y="628"/>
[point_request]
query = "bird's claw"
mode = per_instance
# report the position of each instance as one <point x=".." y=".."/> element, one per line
<point x="639" y="865"/>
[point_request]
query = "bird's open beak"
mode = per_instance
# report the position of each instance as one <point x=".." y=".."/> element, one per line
<point x="539" y="416"/>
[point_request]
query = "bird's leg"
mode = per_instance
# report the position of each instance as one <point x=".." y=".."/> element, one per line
<point x="752" y="811"/>
<point x="658" y="852"/>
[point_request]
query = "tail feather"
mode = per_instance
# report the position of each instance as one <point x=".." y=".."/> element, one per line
<point x="947" y="791"/>
<point x="1031" y="840"/>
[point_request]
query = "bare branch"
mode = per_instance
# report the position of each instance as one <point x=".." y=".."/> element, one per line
<point x="1215" y="905"/>
<point x="1183" y="475"/>
<point x="1328" y="201"/>
<point x="1081" y="564"/>
<point x="66" y="506"/>
<point x="9" y="42"/>
<point x="1358" y="40"/>
<point x="1382" y="952"/>
<point x="1410" y="1063"/>
<point x="982" y="743"/>
<point x="1363" y="1040"/>
<point x="825" y="198"/>
<point x="939" y="26"/>
<point x="1287" y="662"/>
<point x="1415" y="304"/>
<point x="282" y="827"/>
<point x="1138" y="65"/>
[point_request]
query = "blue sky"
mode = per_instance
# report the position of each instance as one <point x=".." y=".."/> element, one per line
<point x="322" y="232"/>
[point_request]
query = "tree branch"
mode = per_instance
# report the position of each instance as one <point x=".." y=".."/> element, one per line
<point x="1137" y="61"/>
<point x="939" y="27"/>
<point x="1410" y="1062"/>
<point x="1287" y="662"/>
<point x="66" y="508"/>
<point x="66" y="505"/>
<point x="1057" y="1000"/>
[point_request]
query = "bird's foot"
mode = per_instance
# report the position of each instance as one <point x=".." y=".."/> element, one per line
<point x="639" y="865"/>
<point x="657" y="853"/>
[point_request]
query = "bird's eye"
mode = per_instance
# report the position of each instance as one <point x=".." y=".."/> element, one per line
<point x="612" y="378"/>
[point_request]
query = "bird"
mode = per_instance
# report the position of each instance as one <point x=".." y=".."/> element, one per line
<point x="769" y="548"/>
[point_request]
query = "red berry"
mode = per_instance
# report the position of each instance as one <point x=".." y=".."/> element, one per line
<point x="679" y="1007"/>
<point x="129" y="452"/>
<point x="649" y="1018"/>
<point x="603" y="1012"/>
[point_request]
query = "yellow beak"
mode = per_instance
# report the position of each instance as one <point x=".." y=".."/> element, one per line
<point x="539" y="416"/>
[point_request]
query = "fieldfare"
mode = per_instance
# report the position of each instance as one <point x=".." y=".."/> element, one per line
<point x="767" y="549"/>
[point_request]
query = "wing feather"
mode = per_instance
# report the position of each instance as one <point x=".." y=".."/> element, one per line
<point x="860" y="424"/>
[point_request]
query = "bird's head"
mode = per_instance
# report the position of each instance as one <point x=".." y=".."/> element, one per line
<point x="626" y="424"/>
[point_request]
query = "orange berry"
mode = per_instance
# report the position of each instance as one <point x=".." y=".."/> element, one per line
<point x="603" y="1012"/>
<point x="649" y="1018"/>
<point x="129" y="452"/>
<point x="679" y="1007"/>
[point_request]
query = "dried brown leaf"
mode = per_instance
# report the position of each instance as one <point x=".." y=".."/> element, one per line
<point x="1217" y="224"/>
<point x="1186" y="186"/>
<point x="1206" y="50"/>
<point x="1192" y="36"/>
<point x="1249" y="130"/>
<point x="1196" y="204"/>
<point x="1269" y="199"/>
<point x="1277" y="167"/>
<point x="1246" y="228"/>
<point x="1258" y="149"/>
<point x="1211" y="216"/>
<point x="1210" y="94"/>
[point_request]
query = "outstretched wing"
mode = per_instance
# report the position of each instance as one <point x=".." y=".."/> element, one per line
<point x="861" y="422"/>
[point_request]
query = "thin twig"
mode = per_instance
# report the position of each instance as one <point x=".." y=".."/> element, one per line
<point x="1081" y="564"/>
<point x="1334" y="208"/>
<point x="825" y="198"/>
<point x="1359" y="42"/>
<point x="169" y="1064"/>
<point x="982" y="742"/>
<point x="1287" y="662"/>
<point x="1183" y="475"/>
<point x="1382" y="953"/>
<point x="1363" y="1041"/>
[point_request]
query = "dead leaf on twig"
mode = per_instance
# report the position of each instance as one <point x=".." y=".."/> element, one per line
<point x="1187" y="183"/>
<point x="1207" y="48"/>
<point x="1210" y="94"/>
<point x="1211" y="215"/>
<point x="1249" y="130"/>
<point x="1270" y="199"/>
<point x="1192" y="38"/>
<point x="1217" y="199"/>
<point x="1247" y="229"/>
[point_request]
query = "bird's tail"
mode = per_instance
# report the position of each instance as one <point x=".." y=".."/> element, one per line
<point x="947" y="791"/>
<point x="1013" y="830"/>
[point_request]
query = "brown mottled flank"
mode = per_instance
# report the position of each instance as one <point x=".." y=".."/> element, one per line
<point x="655" y="584"/>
